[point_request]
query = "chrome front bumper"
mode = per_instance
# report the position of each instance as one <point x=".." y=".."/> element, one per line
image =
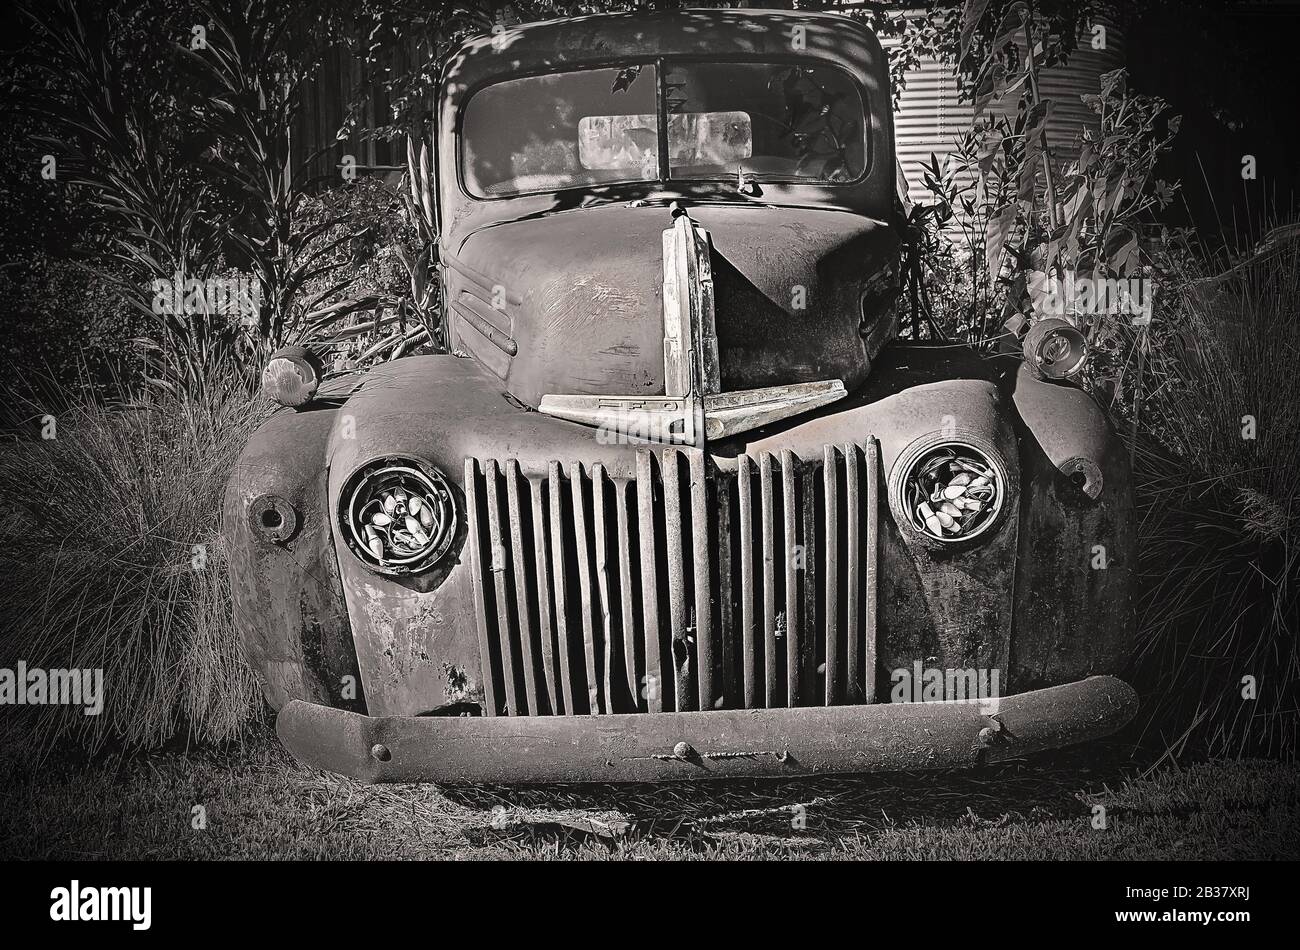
<point x="663" y="747"/>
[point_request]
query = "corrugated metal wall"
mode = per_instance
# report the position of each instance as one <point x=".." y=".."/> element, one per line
<point x="930" y="118"/>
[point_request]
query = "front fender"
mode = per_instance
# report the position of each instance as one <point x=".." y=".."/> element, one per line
<point x="285" y="583"/>
<point x="1078" y="544"/>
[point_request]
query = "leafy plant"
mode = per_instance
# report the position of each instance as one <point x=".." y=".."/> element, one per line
<point x="155" y="210"/>
<point x="948" y="238"/>
<point x="421" y="261"/>
<point x="1081" y="223"/>
<point x="1032" y="223"/>
<point x="383" y="28"/>
<point x="403" y="317"/>
<point x="1104" y="195"/>
<point x="256" y="57"/>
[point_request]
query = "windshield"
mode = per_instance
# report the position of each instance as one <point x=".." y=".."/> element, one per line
<point x="795" y="123"/>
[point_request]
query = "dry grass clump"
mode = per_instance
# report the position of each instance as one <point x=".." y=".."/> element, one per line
<point x="111" y="558"/>
<point x="1218" y="483"/>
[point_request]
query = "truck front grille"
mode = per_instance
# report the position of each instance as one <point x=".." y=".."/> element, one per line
<point x="678" y="587"/>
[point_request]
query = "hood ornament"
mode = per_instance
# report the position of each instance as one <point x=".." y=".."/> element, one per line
<point x="692" y="407"/>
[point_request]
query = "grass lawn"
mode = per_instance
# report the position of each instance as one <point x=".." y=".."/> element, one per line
<point x="260" y="804"/>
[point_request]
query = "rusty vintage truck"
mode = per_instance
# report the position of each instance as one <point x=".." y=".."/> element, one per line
<point x="678" y="503"/>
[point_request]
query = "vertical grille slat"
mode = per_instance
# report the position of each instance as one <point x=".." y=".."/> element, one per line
<point x="702" y="582"/>
<point x="852" y="588"/>
<point x="520" y="558"/>
<point x="542" y="562"/>
<point x="584" y="576"/>
<point x="646" y="533"/>
<point x="500" y="562"/>
<point x="561" y="580"/>
<point x="873" y="561"/>
<point x="789" y="539"/>
<point x="626" y="590"/>
<point x="769" y="581"/>
<point x="680" y="661"/>
<point x="582" y="535"/>
<point x="830" y="501"/>
<point x="810" y="631"/>
<point x="598" y="486"/>
<point x="726" y="642"/>
<point x="745" y="505"/>
<point x="478" y="577"/>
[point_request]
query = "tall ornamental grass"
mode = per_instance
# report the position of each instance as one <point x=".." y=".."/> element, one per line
<point x="1217" y="469"/>
<point x="111" y="558"/>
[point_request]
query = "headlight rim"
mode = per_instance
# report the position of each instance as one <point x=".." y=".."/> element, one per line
<point x="309" y="372"/>
<point x="354" y="499"/>
<point x="982" y="446"/>
<point x="1040" y="337"/>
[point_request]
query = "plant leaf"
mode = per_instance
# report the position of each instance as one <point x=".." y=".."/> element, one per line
<point x="972" y="12"/>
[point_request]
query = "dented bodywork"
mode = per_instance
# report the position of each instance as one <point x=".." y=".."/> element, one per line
<point x="678" y="449"/>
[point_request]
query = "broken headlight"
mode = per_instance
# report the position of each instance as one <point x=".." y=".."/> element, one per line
<point x="1055" y="350"/>
<point x="398" y="515"/>
<point x="953" y="492"/>
<point x="292" y="376"/>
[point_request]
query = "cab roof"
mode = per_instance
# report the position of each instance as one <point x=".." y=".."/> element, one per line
<point x="608" y="37"/>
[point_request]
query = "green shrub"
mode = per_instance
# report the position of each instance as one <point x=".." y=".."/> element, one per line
<point x="63" y="323"/>
<point x="111" y="559"/>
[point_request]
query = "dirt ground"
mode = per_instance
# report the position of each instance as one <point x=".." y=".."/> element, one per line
<point x="253" y="801"/>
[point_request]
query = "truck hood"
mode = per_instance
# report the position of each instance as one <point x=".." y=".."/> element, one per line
<point x="572" y="302"/>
